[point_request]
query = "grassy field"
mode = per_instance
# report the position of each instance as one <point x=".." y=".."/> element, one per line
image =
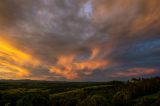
<point x="135" y="92"/>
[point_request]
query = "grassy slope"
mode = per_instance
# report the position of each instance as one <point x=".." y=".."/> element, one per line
<point x="143" y="92"/>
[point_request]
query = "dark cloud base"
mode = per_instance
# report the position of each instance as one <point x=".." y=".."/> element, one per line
<point x="116" y="37"/>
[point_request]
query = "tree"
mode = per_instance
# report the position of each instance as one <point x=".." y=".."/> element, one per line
<point x="33" y="100"/>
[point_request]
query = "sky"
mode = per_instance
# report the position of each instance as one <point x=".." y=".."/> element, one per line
<point x="79" y="40"/>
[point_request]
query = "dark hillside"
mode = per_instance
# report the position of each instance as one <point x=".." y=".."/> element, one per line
<point x="135" y="92"/>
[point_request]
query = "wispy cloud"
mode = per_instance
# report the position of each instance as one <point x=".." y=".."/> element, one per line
<point x="78" y="39"/>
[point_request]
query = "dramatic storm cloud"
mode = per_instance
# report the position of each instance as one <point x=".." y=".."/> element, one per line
<point x="80" y="40"/>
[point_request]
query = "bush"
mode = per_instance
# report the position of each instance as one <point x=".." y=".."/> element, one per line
<point x="33" y="100"/>
<point x="146" y="101"/>
<point x="94" y="100"/>
<point x="121" y="98"/>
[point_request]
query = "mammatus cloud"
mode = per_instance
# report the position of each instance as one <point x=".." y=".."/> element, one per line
<point x="79" y="39"/>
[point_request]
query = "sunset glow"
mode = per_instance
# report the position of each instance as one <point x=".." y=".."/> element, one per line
<point x="79" y="40"/>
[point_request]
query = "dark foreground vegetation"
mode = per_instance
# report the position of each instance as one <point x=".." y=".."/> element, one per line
<point x="135" y="92"/>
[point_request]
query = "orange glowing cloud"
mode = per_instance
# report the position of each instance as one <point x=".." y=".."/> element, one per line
<point x="151" y="16"/>
<point x="68" y="67"/>
<point x="8" y="51"/>
<point x="8" y="71"/>
<point x="13" y="61"/>
<point x="134" y="72"/>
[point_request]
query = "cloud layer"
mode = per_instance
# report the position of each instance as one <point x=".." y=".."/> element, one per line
<point x="81" y="40"/>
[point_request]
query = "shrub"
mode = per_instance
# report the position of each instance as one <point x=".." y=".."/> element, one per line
<point x="33" y="100"/>
<point x="94" y="100"/>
